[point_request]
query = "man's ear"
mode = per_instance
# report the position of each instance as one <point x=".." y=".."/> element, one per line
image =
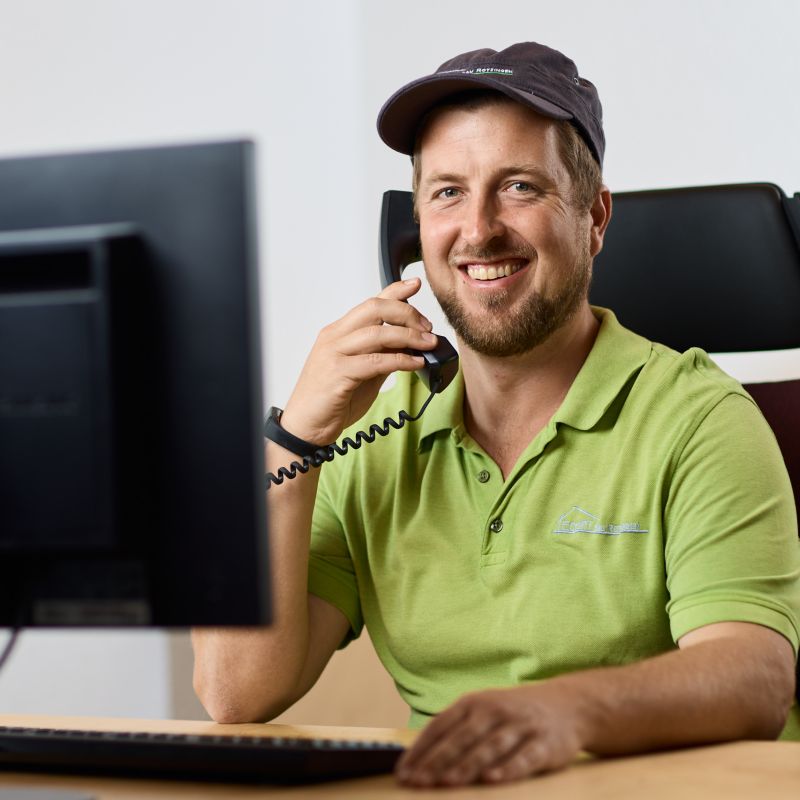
<point x="600" y="213"/>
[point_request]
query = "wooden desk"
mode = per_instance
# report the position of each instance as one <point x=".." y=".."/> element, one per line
<point x="762" y="770"/>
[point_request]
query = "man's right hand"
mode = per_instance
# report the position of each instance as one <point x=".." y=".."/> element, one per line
<point x="350" y="360"/>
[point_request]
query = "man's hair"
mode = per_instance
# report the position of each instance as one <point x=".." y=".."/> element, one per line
<point x="582" y="168"/>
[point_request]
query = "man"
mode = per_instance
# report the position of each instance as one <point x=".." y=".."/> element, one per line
<point x="589" y="541"/>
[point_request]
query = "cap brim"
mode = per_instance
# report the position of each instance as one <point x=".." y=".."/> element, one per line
<point x="401" y="114"/>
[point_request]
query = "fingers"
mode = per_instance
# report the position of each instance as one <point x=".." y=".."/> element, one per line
<point x="401" y="290"/>
<point x="372" y="339"/>
<point x="365" y="367"/>
<point x="530" y="757"/>
<point x="377" y="338"/>
<point x="485" y="755"/>
<point x="443" y="744"/>
<point x="389" y="307"/>
<point x="344" y="371"/>
<point x="437" y="728"/>
<point x="492" y="736"/>
<point x="446" y="761"/>
<point x="378" y="350"/>
<point x="501" y="753"/>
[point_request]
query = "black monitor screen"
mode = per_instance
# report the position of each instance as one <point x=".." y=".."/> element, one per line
<point x="131" y="456"/>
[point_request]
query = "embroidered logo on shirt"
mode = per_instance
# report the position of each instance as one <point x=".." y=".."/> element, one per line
<point x="576" y="520"/>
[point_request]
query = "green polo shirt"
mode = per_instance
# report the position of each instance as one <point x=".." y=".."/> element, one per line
<point x="655" y="501"/>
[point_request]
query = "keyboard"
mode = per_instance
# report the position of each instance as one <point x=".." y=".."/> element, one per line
<point x="262" y="759"/>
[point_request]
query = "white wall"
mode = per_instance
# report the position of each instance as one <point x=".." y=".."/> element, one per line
<point x="695" y="91"/>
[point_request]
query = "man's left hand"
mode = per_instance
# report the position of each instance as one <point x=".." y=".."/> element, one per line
<point x="497" y="735"/>
<point x="726" y="681"/>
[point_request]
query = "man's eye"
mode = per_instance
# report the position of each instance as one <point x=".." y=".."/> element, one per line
<point x="521" y="186"/>
<point x="448" y="193"/>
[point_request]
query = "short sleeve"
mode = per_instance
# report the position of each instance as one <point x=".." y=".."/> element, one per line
<point x="331" y="575"/>
<point x="732" y="551"/>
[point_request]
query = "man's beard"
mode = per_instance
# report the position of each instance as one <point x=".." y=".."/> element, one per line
<point x="526" y="326"/>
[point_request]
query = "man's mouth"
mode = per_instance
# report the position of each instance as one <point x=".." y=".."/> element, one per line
<point x="482" y="272"/>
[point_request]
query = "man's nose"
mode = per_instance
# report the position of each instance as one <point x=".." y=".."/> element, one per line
<point x="482" y="222"/>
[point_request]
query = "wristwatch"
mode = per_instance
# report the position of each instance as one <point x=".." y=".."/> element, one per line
<point x="275" y="433"/>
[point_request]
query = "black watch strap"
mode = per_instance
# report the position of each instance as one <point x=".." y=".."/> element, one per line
<point x="275" y="433"/>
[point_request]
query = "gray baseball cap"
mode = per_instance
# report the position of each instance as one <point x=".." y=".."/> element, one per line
<point x="536" y="76"/>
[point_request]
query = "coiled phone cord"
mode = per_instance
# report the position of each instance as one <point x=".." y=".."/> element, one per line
<point x="328" y="453"/>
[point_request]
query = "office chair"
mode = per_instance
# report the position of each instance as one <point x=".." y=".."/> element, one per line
<point x="716" y="267"/>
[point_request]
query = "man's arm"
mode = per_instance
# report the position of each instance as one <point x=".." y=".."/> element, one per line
<point x="245" y="675"/>
<point x="729" y="680"/>
<point x="253" y="674"/>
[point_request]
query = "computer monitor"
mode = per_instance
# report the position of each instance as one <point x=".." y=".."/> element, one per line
<point x="131" y="454"/>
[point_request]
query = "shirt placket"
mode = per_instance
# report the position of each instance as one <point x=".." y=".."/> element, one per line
<point x="500" y="522"/>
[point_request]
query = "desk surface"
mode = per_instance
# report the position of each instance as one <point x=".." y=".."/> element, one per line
<point x="738" y="770"/>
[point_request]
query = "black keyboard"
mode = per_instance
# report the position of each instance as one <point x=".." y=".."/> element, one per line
<point x="194" y="756"/>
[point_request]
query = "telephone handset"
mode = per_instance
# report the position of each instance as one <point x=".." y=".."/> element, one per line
<point x="399" y="247"/>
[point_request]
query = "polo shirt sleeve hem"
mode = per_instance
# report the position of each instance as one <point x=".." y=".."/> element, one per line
<point x="699" y="614"/>
<point x="325" y="583"/>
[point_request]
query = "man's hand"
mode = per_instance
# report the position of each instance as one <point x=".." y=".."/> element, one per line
<point x="350" y="360"/>
<point x="727" y="680"/>
<point x="497" y="735"/>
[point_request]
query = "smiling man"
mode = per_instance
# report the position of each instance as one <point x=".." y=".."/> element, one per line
<point x="589" y="541"/>
<point x="524" y="221"/>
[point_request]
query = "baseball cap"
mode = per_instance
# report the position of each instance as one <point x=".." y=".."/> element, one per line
<point x="532" y="74"/>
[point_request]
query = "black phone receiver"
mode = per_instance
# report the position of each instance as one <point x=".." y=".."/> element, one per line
<point x="399" y="247"/>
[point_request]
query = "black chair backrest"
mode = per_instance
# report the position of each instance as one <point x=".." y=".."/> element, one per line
<point x="716" y="267"/>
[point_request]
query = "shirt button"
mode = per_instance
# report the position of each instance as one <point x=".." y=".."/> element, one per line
<point x="483" y="476"/>
<point x="496" y="525"/>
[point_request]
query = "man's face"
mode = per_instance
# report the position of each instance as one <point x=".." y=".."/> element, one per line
<point x="506" y="255"/>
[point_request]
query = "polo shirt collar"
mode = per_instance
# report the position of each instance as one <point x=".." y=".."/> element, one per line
<point x="616" y="355"/>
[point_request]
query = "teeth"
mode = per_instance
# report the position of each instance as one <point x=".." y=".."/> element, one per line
<point x="490" y="274"/>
